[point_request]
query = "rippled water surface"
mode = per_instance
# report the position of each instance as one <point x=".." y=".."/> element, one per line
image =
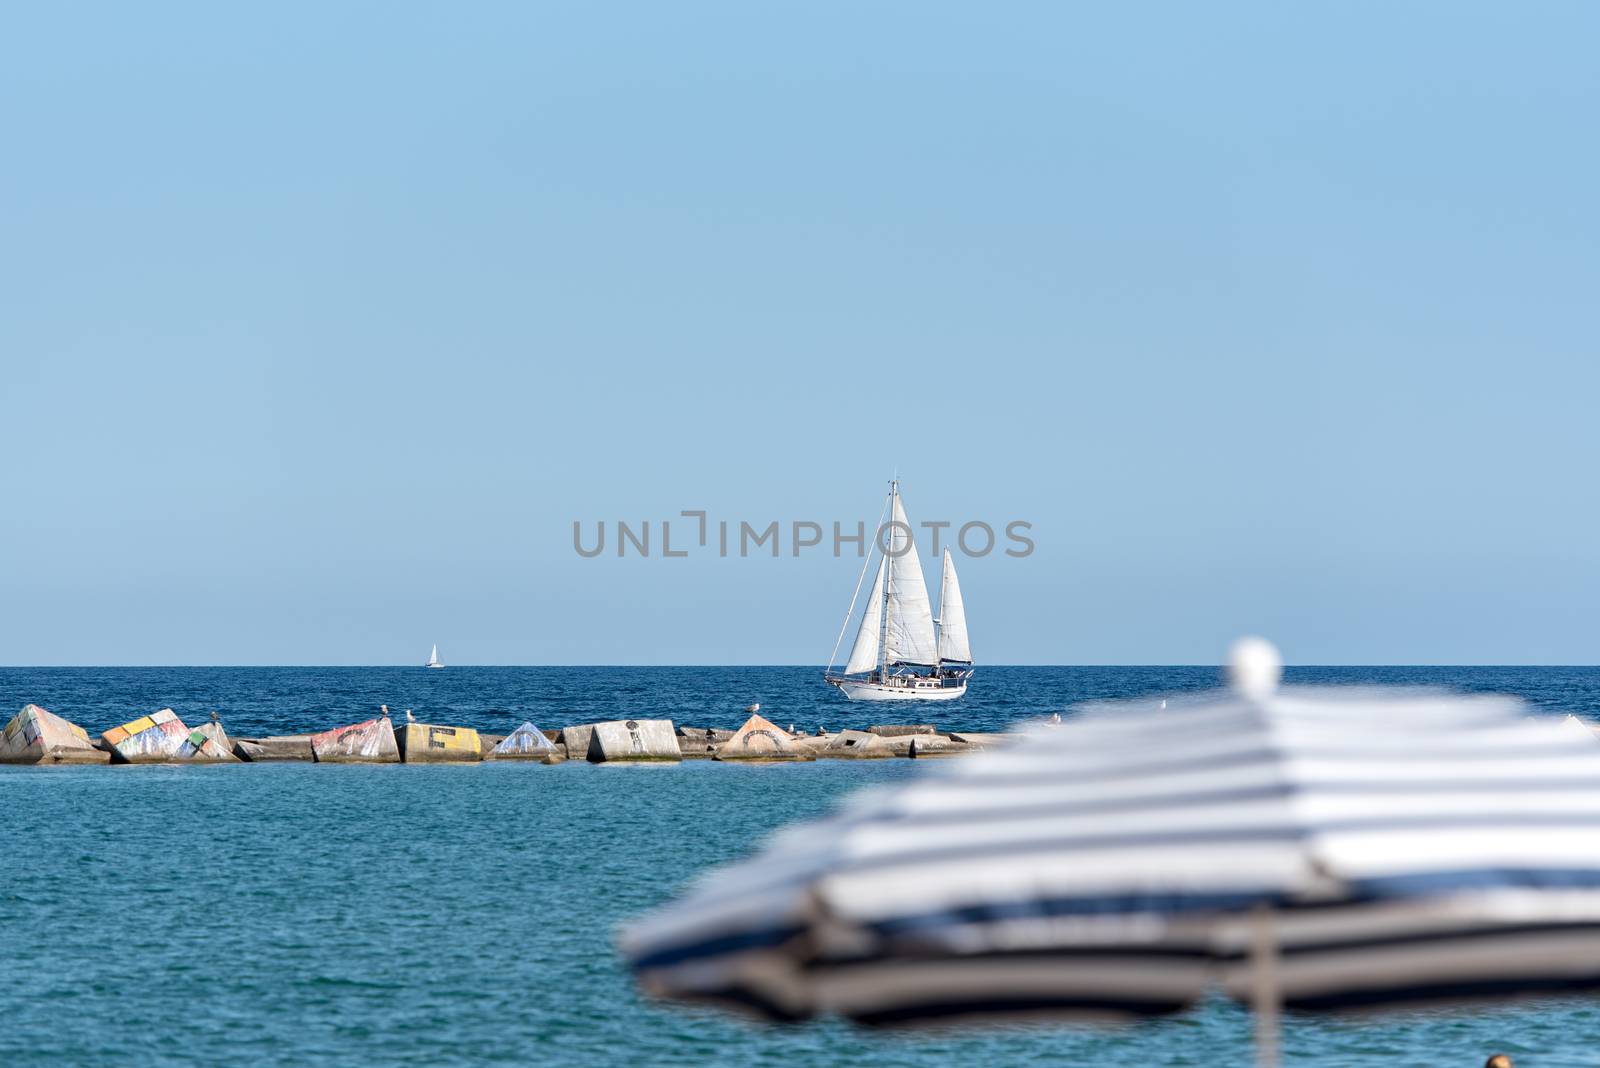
<point x="304" y="914"/>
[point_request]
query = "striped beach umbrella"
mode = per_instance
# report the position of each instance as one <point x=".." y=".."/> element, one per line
<point x="1320" y="849"/>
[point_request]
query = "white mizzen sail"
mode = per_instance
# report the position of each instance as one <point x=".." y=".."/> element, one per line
<point x="908" y="638"/>
<point x="864" y="654"/>
<point x="953" y="644"/>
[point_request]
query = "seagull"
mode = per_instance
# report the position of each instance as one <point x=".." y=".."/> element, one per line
<point x="385" y="709"/>
<point x="1163" y="706"/>
<point x="753" y="708"/>
<point x="409" y="717"/>
<point x="1055" y="717"/>
<point x="215" y="717"/>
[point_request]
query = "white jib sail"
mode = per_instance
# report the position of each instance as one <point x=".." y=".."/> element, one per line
<point x="909" y="635"/>
<point x="864" y="654"/>
<point x="953" y="644"/>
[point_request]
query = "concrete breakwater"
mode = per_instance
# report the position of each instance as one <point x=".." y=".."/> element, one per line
<point x="36" y="736"/>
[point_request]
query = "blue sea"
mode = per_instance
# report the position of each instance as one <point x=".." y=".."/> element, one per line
<point x="291" y="914"/>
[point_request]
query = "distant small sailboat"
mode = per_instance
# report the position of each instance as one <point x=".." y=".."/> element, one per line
<point x="433" y="659"/>
<point x="896" y="635"/>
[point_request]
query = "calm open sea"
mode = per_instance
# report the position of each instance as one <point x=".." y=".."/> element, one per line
<point x="315" y="915"/>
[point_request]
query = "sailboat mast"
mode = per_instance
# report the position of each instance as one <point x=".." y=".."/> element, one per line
<point x="888" y="582"/>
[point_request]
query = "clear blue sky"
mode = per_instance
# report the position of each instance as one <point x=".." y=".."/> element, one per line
<point x="322" y="323"/>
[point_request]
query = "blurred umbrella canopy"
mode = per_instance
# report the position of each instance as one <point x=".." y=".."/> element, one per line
<point x="1322" y="849"/>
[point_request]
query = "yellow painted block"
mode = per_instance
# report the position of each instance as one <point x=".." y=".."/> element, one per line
<point x="459" y="738"/>
<point x="429" y="741"/>
<point x="79" y="731"/>
<point x="143" y="723"/>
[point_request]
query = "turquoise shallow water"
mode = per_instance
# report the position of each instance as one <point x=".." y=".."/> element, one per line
<point x="303" y="914"/>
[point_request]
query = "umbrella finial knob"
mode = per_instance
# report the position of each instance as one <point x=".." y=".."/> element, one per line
<point x="1254" y="667"/>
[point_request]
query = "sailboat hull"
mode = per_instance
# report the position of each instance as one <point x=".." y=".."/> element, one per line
<point x="916" y="690"/>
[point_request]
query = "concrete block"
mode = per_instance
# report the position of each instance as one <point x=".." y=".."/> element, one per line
<point x="35" y="736"/>
<point x="980" y="740"/>
<point x="527" y="742"/>
<point x="855" y="745"/>
<point x="430" y="743"/>
<point x="274" y="747"/>
<point x="576" y="739"/>
<point x="207" y="744"/>
<point x="371" y="741"/>
<point x="761" y="739"/>
<point x="633" y="740"/>
<point x="153" y="739"/>
<point x="927" y="745"/>
<point x="696" y="743"/>
<point x="897" y="730"/>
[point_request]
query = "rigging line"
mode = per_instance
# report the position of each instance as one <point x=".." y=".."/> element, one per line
<point x="888" y="580"/>
<point x="832" y="657"/>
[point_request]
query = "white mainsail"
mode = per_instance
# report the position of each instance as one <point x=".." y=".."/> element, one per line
<point x="864" y="654"/>
<point x="953" y="644"/>
<point x="908" y="637"/>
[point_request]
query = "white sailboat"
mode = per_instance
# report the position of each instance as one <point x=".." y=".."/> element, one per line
<point x="433" y="659"/>
<point x="896" y="655"/>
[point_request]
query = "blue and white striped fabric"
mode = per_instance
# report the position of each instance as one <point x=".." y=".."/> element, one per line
<point x="1410" y="845"/>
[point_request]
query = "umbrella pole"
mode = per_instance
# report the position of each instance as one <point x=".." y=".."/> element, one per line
<point x="1265" y="995"/>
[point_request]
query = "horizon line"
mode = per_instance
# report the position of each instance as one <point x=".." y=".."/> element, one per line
<point x="815" y="667"/>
